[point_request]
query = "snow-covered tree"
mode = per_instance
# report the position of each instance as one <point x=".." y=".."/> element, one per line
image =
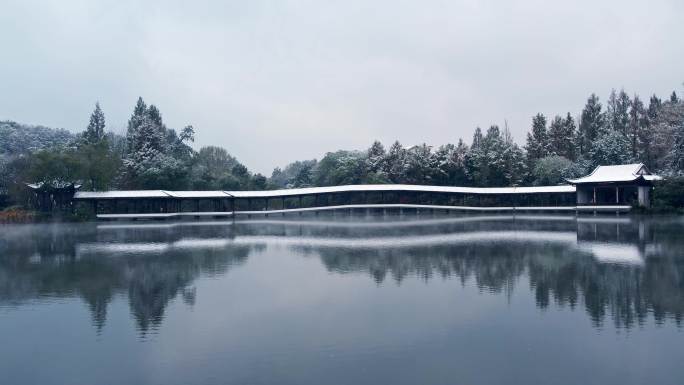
<point x="441" y="175"/>
<point x="477" y="138"/>
<point x="618" y="111"/>
<point x="156" y="156"/>
<point x="646" y="134"/>
<point x="212" y="170"/>
<point x="420" y="164"/>
<point x="95" y="131"/>
<point x="638" y="121"/>
<point x="258" y="182"/>
<point x="376" y="157"/>
<point x="663" y="130"/>
<point x="674" y="98"/>
<point x="98" y="163"/>
<point x="611" y="147"/>
<point x="538" y="139"/>
<point x="395" y="163"/>
<point x="20" y="139"/>
<point x="654" y="107"/>
<point x="562" y="137"/>
<point x="139" y="113"/>
<point x="675" y="157"/>
<point x="458" y="164"/>
<point x="290" y="176"/>
<point x="187" y="134"/>
<point x="494" y="161"/>
<point x="591" y="123"/>
<point x="340" y="167"/>
<point x="554" y="169"/>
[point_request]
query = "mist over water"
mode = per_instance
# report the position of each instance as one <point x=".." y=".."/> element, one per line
<point x="346" y="299"/>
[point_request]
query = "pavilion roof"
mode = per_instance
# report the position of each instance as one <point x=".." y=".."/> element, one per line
<point x="53" y="184"/>
<point x="617" y="173"/>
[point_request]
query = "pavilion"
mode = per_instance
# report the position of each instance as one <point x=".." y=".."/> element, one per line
<point x="624" y="184"/>
<point x="52" y="196"/>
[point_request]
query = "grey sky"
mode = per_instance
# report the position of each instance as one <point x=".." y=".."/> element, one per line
<point x="278" y="81"/>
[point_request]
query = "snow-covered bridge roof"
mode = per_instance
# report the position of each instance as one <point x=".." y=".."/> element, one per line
<point x="318" y="190"/>
<point x="400" y="187"/>
<point x="119" y="194"/>
<point x="618" y="173"/>
<point x="198" y="194"/>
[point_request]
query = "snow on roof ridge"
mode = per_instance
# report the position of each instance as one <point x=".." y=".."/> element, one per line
<point x="615" y="165"/>
<point x="614" y="173"/>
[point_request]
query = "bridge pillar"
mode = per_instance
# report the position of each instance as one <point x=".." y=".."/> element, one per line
<point x="643" y="192"/>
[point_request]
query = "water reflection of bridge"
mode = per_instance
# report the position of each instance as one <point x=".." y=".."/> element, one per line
<point x="607" y="239"/>
<point x="623" y="268"/>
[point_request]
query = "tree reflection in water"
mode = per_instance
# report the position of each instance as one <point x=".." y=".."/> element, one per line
<point x="53" y="264"/>
<point x="616" y="268"/>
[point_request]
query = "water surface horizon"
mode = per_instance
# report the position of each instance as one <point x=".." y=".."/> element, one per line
<point x="352" y="299"/>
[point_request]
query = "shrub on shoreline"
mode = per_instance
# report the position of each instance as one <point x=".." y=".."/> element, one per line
<point x="16" y="214"/>
<point x="668" y="196"/>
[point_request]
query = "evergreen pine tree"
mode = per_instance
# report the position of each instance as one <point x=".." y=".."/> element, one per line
<point x="475" y="159"/>
<point x="621" y="115"/>
<point x="492" y="162"/>
<point x="538" y="140"/>
<point x="420" y="163"/>
<point x="139" y="112"/>
<point x="477" y="138"/>
<point x="654" y="107"/>
<point x="611" y="109"/>
<point x="569" y="139"/>
<point x="94" y="133"/>
<point x="155" y="115"/>
<point x="376" y="157"/>
<point x="675" y="157"/>
<point x="591" y="123"/>
<point x="636" y="126"/>
<point x="674" y="98"/>
<point x="562" y="137"/>
<point x="97" y="163"/>
<point x="646" y="135"/>
<point x="395" y="162"/>
<point x="459" y="177"/>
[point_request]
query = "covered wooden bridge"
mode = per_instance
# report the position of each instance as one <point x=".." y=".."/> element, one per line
<point x="151" y="204"/>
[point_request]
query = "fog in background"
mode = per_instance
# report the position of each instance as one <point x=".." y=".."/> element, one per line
<point x="278" y="81"/>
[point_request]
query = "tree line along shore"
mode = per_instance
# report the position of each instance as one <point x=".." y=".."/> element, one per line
<point x="150" y="155"/>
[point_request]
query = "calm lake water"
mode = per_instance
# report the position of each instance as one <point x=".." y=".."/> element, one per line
<point x="345" y="300"/>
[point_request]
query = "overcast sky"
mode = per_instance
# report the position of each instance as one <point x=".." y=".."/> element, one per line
<point x="278" y="81"/>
